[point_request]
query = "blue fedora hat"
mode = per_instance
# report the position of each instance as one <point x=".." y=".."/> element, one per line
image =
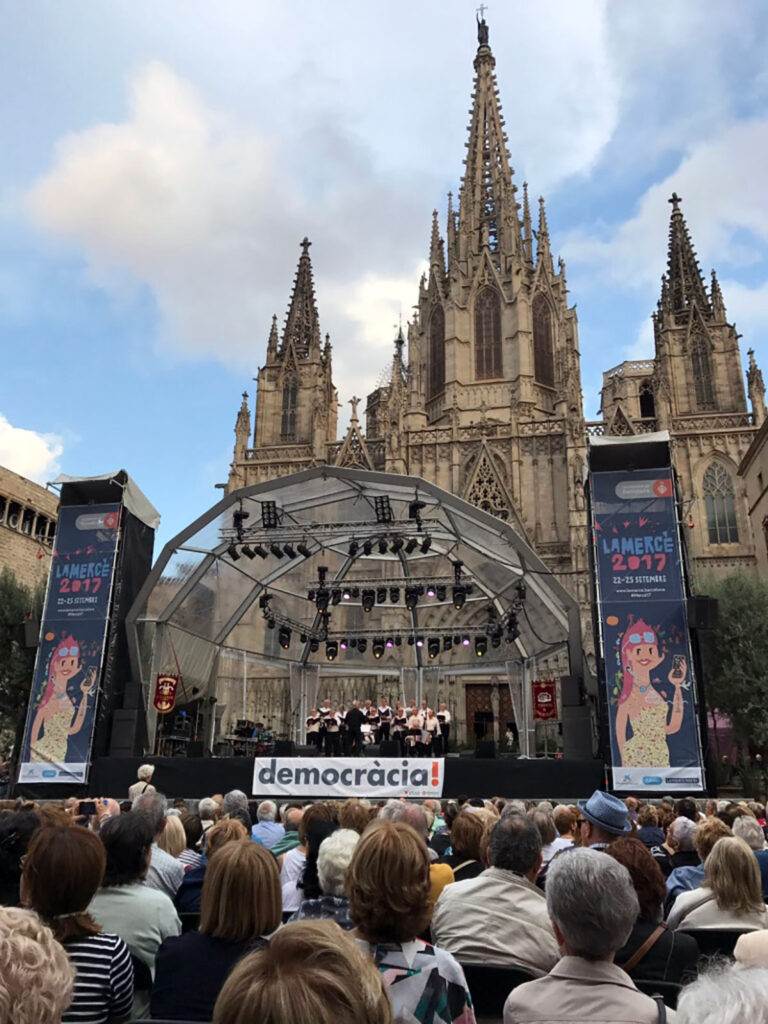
<point x="607" y="812"/>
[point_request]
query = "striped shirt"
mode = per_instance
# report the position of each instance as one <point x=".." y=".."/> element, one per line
<point x="103" y="980"/>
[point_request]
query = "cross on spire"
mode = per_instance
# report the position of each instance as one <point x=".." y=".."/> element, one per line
<point x="481" y="11"/>
<point x="354" y="402"/>
<point x="675" y="199"/>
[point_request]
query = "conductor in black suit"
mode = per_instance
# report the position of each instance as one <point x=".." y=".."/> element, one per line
<point x="355" y="719"/>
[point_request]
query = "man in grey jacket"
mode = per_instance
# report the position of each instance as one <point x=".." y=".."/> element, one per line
<point x="500" y="917"/>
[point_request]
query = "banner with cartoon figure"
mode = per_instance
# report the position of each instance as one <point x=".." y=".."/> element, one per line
<point x="650" y="686"/>
<point x="62" y="704"/>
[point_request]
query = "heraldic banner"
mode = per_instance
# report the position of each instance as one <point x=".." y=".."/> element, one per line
<point x="70" y="655"/>
<point x="649" y="681"/>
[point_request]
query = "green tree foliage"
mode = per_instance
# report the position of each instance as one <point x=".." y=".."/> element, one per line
<point x="735" y="656"/>
<point x="17" y="662"/>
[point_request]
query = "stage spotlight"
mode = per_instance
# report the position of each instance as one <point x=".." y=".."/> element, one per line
<point x="343" y="645"/>
<point x="270" y="517"/>
<point x="411" y="546"/>
<point x="456" y="641"/>
<point x="521" y="591"/>
<point x="426" y="544"/>
<point x="367" y="547"/>
<point x="247" y="551"/>
<point x="440" y="592"/>
<point x="419" y="641"/>
<point x="465" y="641"/>
<point x="232" y="552"/>
<point x="381" y="595"/>
<point x="260" y="550"/>
<point x="346" y="594"/>
<point x="353" y="644"/>
<point x="362" y="645"/>
<point x="310" y="595"/>
<point x="382" y="546"/>
<point x="284" y="637"/>
<point x="447" y="643"/>
<point x="431" y="592"/>
<point x="481" y="646"/>
<point x="335" y="595"/>
<point x="383" y="508"/>
<point x="411" y="641"/>
<point x="314" y="646"/>
<point x="378" y="647"/>
<point x="303" y="550"/>
<point x="276" y="550"/>
<point x="331" y="650"/>
<point x="303" y="638"/>
<point x="394" y="594"/>
<point x="354" y="547"/>
<point x="433" y="647"/>
<point x="496" y="640"/>
<point x="264" y="600"/>
<point x="390" y="643"/>
<point x="459" y="597"/>
<point x="396" y="544"/>
<point x="290" y="550"/>
<point x="414" y="509"/>
<point x="270" y="623"/>
<point x="398" y="641"/>
<point x="411" y="598"/>
<point x="321" y="599"/>
<point x="368" y="600"/>
<point x="238" y="518"/>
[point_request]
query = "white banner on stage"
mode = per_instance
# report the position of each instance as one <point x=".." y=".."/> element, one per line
<point x="662" y="780"/>
<point x="377" y="778"/>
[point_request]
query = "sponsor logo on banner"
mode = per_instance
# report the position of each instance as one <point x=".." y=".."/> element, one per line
<point x="165" y="693"/>
<point x="379" y="778"/>
<point x="544" y="699"/>
<point x="662" y="780"/>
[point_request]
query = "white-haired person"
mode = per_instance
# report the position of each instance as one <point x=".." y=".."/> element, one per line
<point x="725" y="993"/>
<point x="333" y="860"/>
<point x="36" y="976"/>
<point x="267" y="829"/>
<point x="593" y="906"/>
<point x="144" y="785"/>
<point x="731" y="895"/>
<point x="165" y="872"/>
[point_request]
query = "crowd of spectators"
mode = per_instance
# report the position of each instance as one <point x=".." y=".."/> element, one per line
<point x="238" y="911"/>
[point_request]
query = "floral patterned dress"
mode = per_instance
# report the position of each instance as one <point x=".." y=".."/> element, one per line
<point x="648" y="745"/>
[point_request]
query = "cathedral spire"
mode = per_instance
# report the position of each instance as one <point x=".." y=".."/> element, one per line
<point x="272" y="343"/>
<point x="685" y="284"/>
<point x="756" y="389"/>
<point x="242" y="428"/>
<point x="487" y="207"/>
<point x="527" y="228"/>
<point x="543" y="251"/>
<point x="436" y="248"/>
<point x="718" y="305"/>
<point x="302" y="326"/>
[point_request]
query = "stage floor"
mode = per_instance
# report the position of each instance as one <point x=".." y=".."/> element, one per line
<point x="536" y="779"/>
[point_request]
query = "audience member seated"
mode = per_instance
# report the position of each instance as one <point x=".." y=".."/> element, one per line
<point x="190" y="891"/>
<point x="290" y="816"/>
<point x="603" y="818"/>
<point x="144" y="785"/>
<point x="648" y="831"/>
<point x="208" y="812"/>
<point x="293" y="862"/>
<point x="143" y="917"/>
<point x="16" y="830"/>
<point x="653" y="952"/>
<point x="566" y="823"/>
<point x="551" y="842"/>
<point x="36" y="976"/>
<point x="593" y="906"/>
<point x="731" y="896"/>
<point x="173" y="840"/>
<point x="440" y="875"/>
<point x="63" y="869"/>
<point x="190" y="856"/>
<point x="500" y="917"/>
<point x="165" y="873"/>
<point x="332" y="863"/>
<point x="683" y="879"/>
<point x="354" y="814"/>
<point x="389" y="901"/>
<point x="240" y="908"/>
<point x="235" y="805"/>
<point x="465" y="858"/>
<point x="440" y="839"/>
<point x="310" y="973"/>
<point x="267" y="829"/>
<point x="677" y="850"/>
<point x="318" y="829"/>
<point x="725" y="994"/>
<point x="751" y="949"/>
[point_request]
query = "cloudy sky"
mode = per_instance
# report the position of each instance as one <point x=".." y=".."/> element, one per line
<point x="162" y="162"/>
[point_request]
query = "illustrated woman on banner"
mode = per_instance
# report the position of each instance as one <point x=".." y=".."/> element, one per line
<point x="641" y="707"/>
<point x="59" y="715"/>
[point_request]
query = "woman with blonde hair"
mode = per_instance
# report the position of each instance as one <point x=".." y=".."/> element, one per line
<point x="731" y="895"/>
<point x="389" y="901"/>
<point x="173" y="838"/>
<point x="240" y="908"/>
<point x="311" y="971"/>
<point x="36" y="976"/>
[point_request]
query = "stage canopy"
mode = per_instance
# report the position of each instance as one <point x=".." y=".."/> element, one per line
<point x="349" y="570"/>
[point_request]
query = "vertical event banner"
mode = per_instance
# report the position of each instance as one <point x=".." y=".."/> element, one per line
<point x="650" y="686"/>
<point x="165" y="693"/>
<point x="544" y="699"/>
<point x="70" y="655"/>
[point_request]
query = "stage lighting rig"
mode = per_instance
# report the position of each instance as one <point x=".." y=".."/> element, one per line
<point x="260" y="550"/>
<point x="394" y="594"/>
<point x="367" y="547"/>
<point x="270" y="516"/>
<point x="381" y="595"/>
<point x="433" y="648"/>
<point x="284" y="637"/>
<point x="481" y="646"/>
<point x="233" y="552"/>
<point x="354" y="547"/>
<point x="396" y="545"/>
<point x="383" y="508"/>
<point x="322" y="596"/>
<point x="335" y="595"/>
<point x="431" y="591"/>
<point x="414" y="510"/>
<point x="459" y="596"/>
<point x="248" y="551"/>
<point x="383" y="546"/>
<point x="331" y="650"/>
<point x="362" y="645"/>
<point x="276" y="550"/>
<point x="411" y="598"/>
<point x="426" y="544"/>
<point x="238" y="518"/>
<point x="378" y="648"/>
<point x="303" y="550"/>
<point x="368" y="599"/>
<point x="411" y="546"/>
<point x="289" y="550"/>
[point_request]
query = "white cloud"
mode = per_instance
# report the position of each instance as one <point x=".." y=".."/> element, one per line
<point x="29" y="453"/>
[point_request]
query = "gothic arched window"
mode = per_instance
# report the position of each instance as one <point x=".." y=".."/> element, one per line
<point x="701" y="367"/>
<point x="720" y="505"/>
<point x="487" y="334"/>
<point x="290" y="402"/>
<point x="436" y="376"/>
<point x="647" y="401"/>
<point x="543" y="361"/>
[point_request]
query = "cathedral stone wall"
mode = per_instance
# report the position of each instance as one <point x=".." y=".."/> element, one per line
<point x="27" y="526"/>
